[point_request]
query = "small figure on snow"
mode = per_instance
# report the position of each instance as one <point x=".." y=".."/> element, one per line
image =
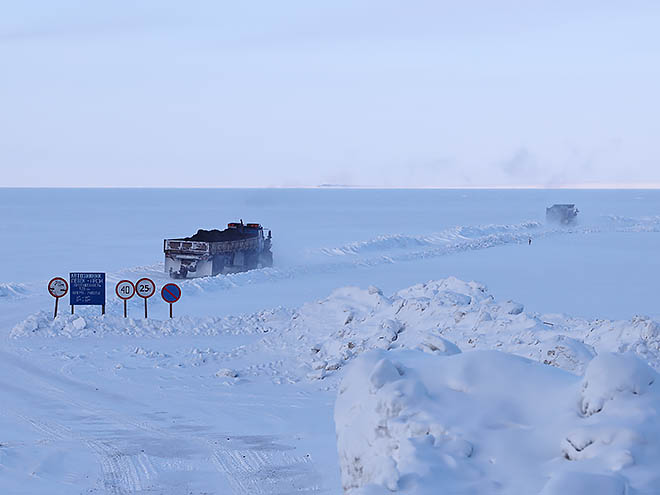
<point x="529" y="243"/>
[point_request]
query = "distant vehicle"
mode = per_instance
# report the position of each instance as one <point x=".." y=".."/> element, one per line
<point x="563" y="214"/>
<point x="238" y="248"/>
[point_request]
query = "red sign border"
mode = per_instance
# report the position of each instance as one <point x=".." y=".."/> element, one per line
<point x="132" y="285"/>
<point x="170" y="302"/>
<point x="138" y="283"/>
<point x="65" y="283"/>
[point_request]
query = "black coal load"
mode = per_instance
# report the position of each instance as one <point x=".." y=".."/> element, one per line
<point x="220" y="235"/>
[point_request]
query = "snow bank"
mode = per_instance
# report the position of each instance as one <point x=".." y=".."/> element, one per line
<point x="445" y="316"/>
<point x="489" y="422"/>
<point x="610" y="375"/>
<point x="43" y="324"/>
<point x="460" y="233"/>
<point x="440" y="317"/>
<point x="12" y="290"/>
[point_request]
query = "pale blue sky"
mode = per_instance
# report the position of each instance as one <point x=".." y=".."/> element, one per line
<point x="287" y="93"/>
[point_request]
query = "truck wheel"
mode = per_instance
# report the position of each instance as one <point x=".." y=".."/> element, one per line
<point x="251" y="261"/>
<point x="266" y="259"/>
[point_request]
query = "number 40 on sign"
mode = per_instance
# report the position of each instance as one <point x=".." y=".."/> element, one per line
<point x="125" y="290"/>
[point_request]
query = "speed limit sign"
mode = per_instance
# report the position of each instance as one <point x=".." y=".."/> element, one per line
<point x="145" y="288"/>
<point x="125" y="290"/>
<point x="57" y="287"/>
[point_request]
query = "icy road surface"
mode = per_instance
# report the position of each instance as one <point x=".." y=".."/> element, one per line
<point x="130" y="415"/>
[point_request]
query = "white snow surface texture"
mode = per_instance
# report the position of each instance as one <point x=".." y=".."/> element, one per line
<point x="490" y="422"/>
<point x="439" y="317"/>
<point x="452" y="391"/>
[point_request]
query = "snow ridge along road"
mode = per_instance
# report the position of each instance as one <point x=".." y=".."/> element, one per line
<point x="432" y="317"/>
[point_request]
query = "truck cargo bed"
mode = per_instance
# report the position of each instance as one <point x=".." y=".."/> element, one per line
<point x="210" y="252"/>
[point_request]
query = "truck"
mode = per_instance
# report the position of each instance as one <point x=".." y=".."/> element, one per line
<point x="564" y="214"/>
<point x="238" y="248"/>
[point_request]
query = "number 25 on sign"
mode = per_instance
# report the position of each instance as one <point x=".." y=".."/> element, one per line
<point x="145" y="288"/>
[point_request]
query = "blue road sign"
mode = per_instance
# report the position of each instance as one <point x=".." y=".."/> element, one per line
<point x="87" y="289"/>
<point x="170" y="293"/>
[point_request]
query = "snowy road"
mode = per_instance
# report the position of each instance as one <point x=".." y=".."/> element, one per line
<point x="558" y="257"/>
<point x="96" y="436"/>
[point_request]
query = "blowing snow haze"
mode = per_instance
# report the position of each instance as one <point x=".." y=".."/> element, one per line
<point x="164" y="93"/>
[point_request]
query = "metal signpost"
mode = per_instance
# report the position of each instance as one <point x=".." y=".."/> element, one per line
<point x="87" y="289"/>
<point x="58" y="287"/>
<point x="170" y="293"/>
<point x="125" y="290"/>
<point x="145" y="288"/>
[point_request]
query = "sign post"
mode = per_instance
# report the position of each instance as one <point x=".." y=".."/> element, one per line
<point x="170" y="293"/>
<point x="145" y="288"/>
<point x="58" y="287"/>
<point x="87" y="289"/>
<point x="125" y="290"/>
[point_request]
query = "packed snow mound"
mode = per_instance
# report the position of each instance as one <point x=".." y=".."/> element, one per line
<point x="401" y="241"/>
<point x="441" y="317"/>
<point x="632" y="224"/>
<point x="449" y="315"/>
<point x="610" y="375"/>
<point x="489" y="422"/>
<point x="43" y="324"/>
<point x="12" y="290"/>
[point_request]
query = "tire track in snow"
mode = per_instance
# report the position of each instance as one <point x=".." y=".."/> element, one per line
<point x="122" y="474"/>
<point x="269" y="472"/>
<point x="257" y="466"/>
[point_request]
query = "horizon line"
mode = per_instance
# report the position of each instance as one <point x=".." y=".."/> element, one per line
<point x="592" y="186"/>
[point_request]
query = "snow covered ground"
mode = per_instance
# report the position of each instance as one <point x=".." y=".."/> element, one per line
<point x="490" y="422"/>
<point x="237" y="393"/>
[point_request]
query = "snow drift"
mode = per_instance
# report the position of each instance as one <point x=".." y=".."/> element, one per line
<point x="489" y="422"/>
<point x="88" y="324"/>
<point x="439" y="317"/>
<point x="12" y="290"/>
<point x="487" y="233"/>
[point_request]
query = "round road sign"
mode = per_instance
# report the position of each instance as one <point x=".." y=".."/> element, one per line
<point x="58" y="287"/>
<point x="145" y="287"/>
<point x="170" y="293"/>
<point x="125" y="289"/>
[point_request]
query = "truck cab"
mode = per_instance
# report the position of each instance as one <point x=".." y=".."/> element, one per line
<point x="563" y="214"/>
